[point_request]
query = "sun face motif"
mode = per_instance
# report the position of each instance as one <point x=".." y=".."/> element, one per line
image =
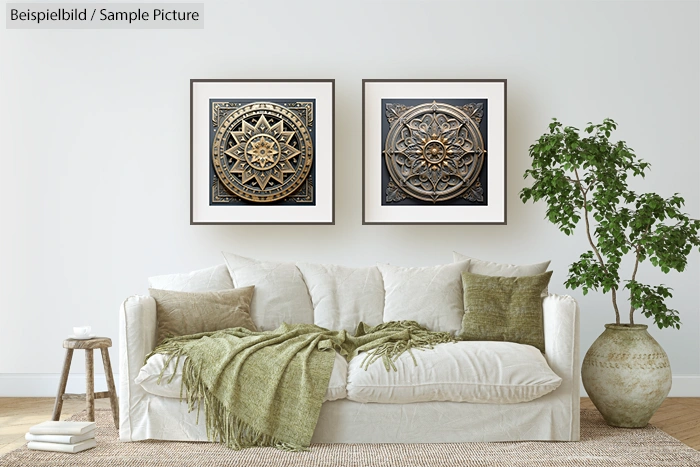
<point x="434" y="151"/>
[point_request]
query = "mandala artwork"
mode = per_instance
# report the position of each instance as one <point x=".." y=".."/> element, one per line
<point x="262" y="152"/>
<point x="434" y="153"/>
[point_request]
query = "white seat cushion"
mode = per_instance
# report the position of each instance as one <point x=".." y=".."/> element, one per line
<point x="475" y="371"/>
<point x="343" y="296"/>
<point x="150" y="372"/>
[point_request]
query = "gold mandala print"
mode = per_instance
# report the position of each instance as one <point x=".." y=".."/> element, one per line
<point x="262" y="152"/>
<point x="434" y="153"/>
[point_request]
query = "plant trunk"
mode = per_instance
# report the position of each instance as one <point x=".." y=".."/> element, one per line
<point x="595" y="248"/>
<point x="614" y="302"/>
<point x="634" y="276"/>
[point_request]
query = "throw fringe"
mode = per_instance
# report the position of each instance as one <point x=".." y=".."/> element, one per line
<point x="418" y="338"/>
<point x="221" y="424"/>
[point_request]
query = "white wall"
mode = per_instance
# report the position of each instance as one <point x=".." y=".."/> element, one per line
<point x="94" y="134"/>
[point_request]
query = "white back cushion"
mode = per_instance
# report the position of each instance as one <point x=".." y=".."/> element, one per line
<point x="431" y="296"/>
<point x="280" y="292"/>
<point x="489" y="268"/>
<point x="470" y="371"/>
<point x="211" y="279"/>
<point x="343" y="296"/>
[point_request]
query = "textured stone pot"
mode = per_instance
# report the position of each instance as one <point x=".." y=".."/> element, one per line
<point x="627" y="375"/>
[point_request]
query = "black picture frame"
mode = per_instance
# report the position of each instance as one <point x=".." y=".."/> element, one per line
<point x="319" y="91"/>
<point x="485" y="203"/>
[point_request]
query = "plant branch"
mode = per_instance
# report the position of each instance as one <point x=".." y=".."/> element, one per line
<point x="577" y="182"/>
<point x="634" y="275"/>
<point x="636" y="266"/>
<point x="593" y="245"/>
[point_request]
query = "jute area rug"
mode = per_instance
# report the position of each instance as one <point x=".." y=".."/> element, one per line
<point x="600" y="445"/>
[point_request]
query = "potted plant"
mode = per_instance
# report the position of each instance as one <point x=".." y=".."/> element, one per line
<point x="583" y="176"/>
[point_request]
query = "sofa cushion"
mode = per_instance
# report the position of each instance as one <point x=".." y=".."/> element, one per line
<point x="202" y="280"/>
<point x="183" y="313"/>
<point x="343" y="296"/>
<point x="504" y="308"/>
<point x="280" y="292"/>
<point x="479" y="372"/>
<point x="150" y="372"/>
<point x="489" y="268"/>
<point x="431" y="296"/>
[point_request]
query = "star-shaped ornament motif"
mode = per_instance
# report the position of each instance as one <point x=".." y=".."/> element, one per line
<point x="262" y="152"/>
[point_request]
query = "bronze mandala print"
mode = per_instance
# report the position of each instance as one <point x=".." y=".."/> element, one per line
<point x="262" y="152"/>
<point x="434" y="152"/>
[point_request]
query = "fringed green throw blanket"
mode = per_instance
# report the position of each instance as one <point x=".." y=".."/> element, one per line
<point x="266" y="388"/>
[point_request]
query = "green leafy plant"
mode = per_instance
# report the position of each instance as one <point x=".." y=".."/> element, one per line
<point x="583" y="175"/>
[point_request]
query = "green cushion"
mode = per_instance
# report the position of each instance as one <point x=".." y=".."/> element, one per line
<point x="504" y="308"/>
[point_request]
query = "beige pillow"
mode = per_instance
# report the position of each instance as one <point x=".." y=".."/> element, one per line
<point x="183" y="313"/>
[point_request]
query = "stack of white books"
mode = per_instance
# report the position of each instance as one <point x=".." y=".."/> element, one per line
<point x="62" y="436"/>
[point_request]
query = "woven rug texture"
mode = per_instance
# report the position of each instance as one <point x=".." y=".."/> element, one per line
<point x="600" y="445"/>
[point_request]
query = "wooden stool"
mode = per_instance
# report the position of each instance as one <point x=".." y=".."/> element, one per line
<point x="102" y="343"/>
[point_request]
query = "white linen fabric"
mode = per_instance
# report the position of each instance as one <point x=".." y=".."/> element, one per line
<point x="489" y="268"/>
<point x="547" y="419"/>
<point x="344" y="296"/>
<point x="553" y="417"/>
<point x="211" y="279"/>
<point x="150" y="373"/>
<point x="431" y="296"/>
<point x="478" y="372"/>
<point x="280" y="293"/>
<point x="171" y="381"/>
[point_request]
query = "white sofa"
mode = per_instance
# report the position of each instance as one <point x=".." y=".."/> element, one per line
<point x="376" y="406"/>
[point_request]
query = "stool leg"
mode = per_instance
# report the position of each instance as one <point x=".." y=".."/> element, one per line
<point x="58" y="405"/>
<point x="110" y="386"/>
<point x="90" y="384"/>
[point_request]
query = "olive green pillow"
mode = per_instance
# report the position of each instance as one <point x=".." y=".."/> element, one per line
<point x="504" y="308"/>
<point x="183" y="313"/>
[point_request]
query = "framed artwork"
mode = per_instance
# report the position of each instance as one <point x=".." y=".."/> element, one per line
<point x="434" y="151"/>
<point x="262" y="151"/>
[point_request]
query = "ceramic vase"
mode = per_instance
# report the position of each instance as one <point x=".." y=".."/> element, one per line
<point x="627" y="375"/>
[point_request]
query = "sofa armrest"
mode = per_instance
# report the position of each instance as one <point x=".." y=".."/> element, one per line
<point x="561" y="335"/>
<point x="137" y="338"/>
<point x="561" y="344"/>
